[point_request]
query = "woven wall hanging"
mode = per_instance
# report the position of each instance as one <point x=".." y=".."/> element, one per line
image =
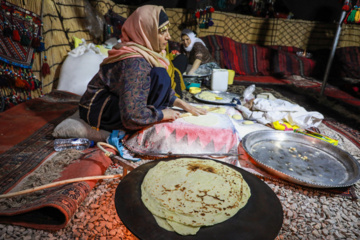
<point x="20" y="38"/>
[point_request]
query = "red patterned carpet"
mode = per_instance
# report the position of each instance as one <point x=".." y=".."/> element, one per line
<point x="25" y="144"/>
<point x="309" y="84"/>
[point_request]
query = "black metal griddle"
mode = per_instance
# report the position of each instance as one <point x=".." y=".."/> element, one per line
<point x="260" y="219"/>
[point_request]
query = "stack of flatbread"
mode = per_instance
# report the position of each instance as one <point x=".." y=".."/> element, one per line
<point x="186" y="193"/>
<point x="209" y="96"/>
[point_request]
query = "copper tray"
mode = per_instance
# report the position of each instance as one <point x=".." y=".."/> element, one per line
<point x="302" y="159"/>
<point x="260" y="219"/>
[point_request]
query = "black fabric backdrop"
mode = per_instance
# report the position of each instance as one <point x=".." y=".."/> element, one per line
<point x="318" y="10"/>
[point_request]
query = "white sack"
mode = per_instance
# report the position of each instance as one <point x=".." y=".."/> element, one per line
<point x="79" y="67"/>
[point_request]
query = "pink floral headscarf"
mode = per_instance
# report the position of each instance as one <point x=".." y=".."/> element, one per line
<point x="140" y="38"/>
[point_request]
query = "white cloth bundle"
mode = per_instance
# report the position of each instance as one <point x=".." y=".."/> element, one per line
<point x="268" y="111"/>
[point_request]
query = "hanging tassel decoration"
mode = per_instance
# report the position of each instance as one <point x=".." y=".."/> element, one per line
<point x="16" y="35"/>
<point x="6" y="81"/>
<point x="7" y="32"/>
<point x="202" y="19"/>
<point x="25" y="40"/>
<point x="346" y="6"/>
<point x="37" y="83"/>
<point x="210" y="20"/>
<point x="41" y="47"/>
<point x="197" y="14"/>
<point x="30" y="79"/>
<point x="33" y="85"/>
<point x="45" y="69"/>
<point x="35" y="42"/>
<point x="19" y="83"/>
<point x="26" y="84"/>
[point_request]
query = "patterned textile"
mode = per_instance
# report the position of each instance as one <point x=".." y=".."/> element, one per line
<point x="245" y="59"/>
<point x="18" y="51"/>
<point x="285" y="61"/>
<point x="52" y="208"/>
<point x="349" y="61"/>
<point x="20" y="38"/>
<point x="307" y="84"/>
<point x="248" y="59"/>
<point x="182" y="137"/>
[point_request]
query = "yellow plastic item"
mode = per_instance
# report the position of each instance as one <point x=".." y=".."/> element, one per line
<point x="318" y="136"/>
<point x="77" y="41"/>
<point x="284" y="126"/>
<point x="218" y="98"/>
<point x="103" y="50"/>
<point x="194" y="90"/>
<point x="231" y="76"/>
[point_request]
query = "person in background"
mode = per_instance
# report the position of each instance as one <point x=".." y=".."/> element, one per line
<point x="178" y="64"/>
<point x="132" y="89"/>
<point x="199" y="57"/>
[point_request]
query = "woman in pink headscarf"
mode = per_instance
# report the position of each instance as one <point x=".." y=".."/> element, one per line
<point x="132" y="89"/>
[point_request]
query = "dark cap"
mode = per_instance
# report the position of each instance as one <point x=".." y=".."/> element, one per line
<point x="163" y="19"/>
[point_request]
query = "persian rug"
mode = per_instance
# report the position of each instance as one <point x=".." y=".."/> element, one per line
<point x="27" y="159"/>
<point x="303" y="85"/>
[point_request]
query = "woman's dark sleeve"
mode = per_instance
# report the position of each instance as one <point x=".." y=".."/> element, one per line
<point x="133" y="87"/>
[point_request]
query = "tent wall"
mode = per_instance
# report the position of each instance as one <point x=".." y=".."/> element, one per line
<point x="63" y="19"/>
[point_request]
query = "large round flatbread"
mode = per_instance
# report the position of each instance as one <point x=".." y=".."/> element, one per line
<point x="186" y="193"/>
<point x="207" y="120"/>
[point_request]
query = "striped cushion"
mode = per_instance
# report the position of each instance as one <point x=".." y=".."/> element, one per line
<point x="288" y="63"/>
<point x="245" y="59"/>
<point x="348" y="59"/>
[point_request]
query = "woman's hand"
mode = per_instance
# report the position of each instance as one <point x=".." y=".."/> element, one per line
<point x="189" y="108"/>
<point x="196" y="111"/>
<point x="170" y="114"/>
<point x="195" y="66"/>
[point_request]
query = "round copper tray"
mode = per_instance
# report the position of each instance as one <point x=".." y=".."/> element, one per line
<point x="302" y="159"/>
<point x="260" y="219"/>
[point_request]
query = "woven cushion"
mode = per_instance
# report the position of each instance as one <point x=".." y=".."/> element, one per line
<point x="288" y="63"/>
<point x="349" y="61"/>
<point x="244" y="59"/>
<point x="74" y="127"/>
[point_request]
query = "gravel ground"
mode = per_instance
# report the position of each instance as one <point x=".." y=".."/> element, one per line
<point x="308" y="214"/>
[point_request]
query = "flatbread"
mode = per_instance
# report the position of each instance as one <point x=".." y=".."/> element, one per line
<point x="188" y="193"/>
<point x="209" y="96"/>
<point x="220" y="110"/>
<point x="237" y="116"/>
<point x="207" y="120"/>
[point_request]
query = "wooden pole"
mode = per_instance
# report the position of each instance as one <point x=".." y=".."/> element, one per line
<point x="55" y="184"/>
